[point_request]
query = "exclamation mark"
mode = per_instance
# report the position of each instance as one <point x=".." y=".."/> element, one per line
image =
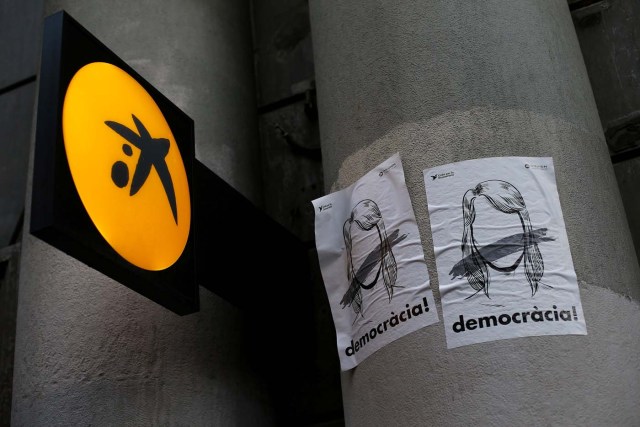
<point x="575" y="315"/>
<point x="426" y="304"/>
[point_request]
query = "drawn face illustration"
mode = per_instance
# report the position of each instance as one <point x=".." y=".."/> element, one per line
<point x="492" y="225"/>
<point x="126" y="166"/>
<point x="496" y="248"/>
<point x="368" y="251"/>
<point x="365" y="237"/>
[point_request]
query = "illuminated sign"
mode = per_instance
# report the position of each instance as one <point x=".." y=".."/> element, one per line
<point x="112" y="169"/>
<point x="128" y="170"/>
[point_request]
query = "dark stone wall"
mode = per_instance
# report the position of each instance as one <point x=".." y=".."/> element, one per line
<point x="19" y="55"/>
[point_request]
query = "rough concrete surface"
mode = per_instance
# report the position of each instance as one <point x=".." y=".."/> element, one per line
<point x="611" y="49"/>
<point x="444" y="81"/>
<point x="16" y="111"/>
<point x="20" y="30"/>
<point x="9" y="266"/>
<point x="89" y="351"/>
<point x="391" y="63"/>
<point x="282" y="38"/>
<point x="628" y="175"/>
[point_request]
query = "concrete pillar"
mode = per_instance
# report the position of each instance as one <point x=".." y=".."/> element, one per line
<point x="89" y="351"/>
<point x="448" y="80"/>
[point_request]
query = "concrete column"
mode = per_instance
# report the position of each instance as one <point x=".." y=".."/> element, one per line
<point x="449" y="80"/>
<point x="91" y="352"/>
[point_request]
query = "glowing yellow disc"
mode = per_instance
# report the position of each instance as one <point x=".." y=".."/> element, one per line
<point x="126" y="166"/>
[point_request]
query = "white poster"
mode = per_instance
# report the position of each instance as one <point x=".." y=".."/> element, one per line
<point x="372" y="263"/>
<point x="502" y="254"/>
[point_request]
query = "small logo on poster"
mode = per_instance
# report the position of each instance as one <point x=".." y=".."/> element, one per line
<point x="539" y="167"/>
<point x="324" y="207"/>
<point x="382" y="172"/>
<point x="442" y="175"/>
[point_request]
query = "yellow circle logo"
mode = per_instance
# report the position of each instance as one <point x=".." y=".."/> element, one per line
<point x="126" y="166"/>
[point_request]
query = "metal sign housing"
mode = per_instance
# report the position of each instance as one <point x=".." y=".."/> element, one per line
<point x="113" y="169"/>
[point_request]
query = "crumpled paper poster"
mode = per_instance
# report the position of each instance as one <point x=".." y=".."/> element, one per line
<point x="372" y="263"/>
<point x="502" y="253"/>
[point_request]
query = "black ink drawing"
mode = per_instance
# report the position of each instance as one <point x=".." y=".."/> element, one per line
<point x="366" y="216"/>
<point x="505" y="198"/>
<point x="152" y="154"/>
<point x="501" y="248"/>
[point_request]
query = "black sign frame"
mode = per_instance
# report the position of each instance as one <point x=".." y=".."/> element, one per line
<point x="57" y="214"/>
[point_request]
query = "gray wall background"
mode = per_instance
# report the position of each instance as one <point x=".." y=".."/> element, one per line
<point x="19" y="51"/>
<point x="610" y="42"/>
